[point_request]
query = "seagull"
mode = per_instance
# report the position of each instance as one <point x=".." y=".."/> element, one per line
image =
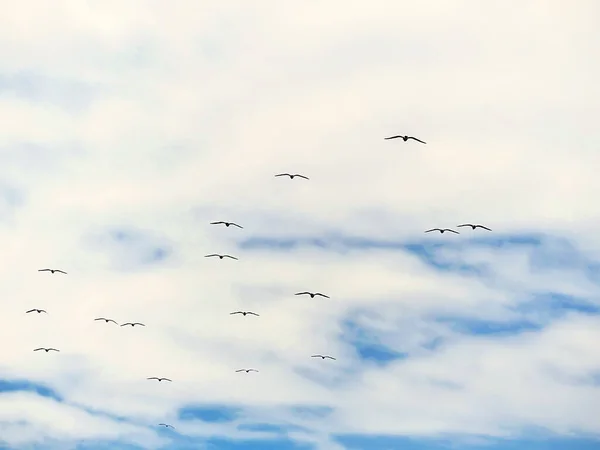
<point x="51" y="270"/>
<point x="323" y="357"/>
<point x="244" y="313"/>
<point x="36" y="310"/>
<point x="247" y="370"/>
<point x="159" y="379"/>
<point x="441" y="230"/>
<point x="133" y="324"/>
<point x="166" y="425"/>
<point x="220" y="256"/>
<point x="108" y="320"/>
<point x="227" y="224"/>
<point x="291" y="175"/>
<point x="474" y="226"/>
<point x="312" y="295"/>
<point x="46" y="349"/>
<point x="405" y="138"/>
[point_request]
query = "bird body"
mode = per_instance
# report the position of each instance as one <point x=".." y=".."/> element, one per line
<point x="36" y="310"/>
<point x="312" y="294"/>
<point x="109" y="320"/>
<point x="442" y="230"/>
<point x="227" y="224"/>
<point x="405" y="138"/>
<point x="46" y="349"/>
<point x="159" y="379"/>
<point x="247" y="370"/>
<point x="133" y="324"/>
<point x="323" y="357"/>
<point x="52" y="271"/>
<point x="474" y="226"/>
<point x="220" y="256"/>
<point x="291" y="175"/>
<point x="166" y="425"/>
<point x="244" y="313"/>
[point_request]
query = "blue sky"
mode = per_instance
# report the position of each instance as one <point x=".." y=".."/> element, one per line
<point x="128" y="128"/>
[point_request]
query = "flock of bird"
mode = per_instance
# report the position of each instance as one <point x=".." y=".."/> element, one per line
<point x="222" y="256"/>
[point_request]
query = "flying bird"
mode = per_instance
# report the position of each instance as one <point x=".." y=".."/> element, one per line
<point x="109" y="320"/>
<point x="133" y="324"/>
<point x="46" y="349"/>
<point x="441" y="230"/>
<point x="36" y="310"/>
<point x="406" y="138"/>
<point x="166" y="425"/>
<point x="52" y="270"/>
<point x="291" y="175"/>
<point x="323" y="357"/>
<point x="474" y="226"/>
<point x="247" y="370"/>
<point x="220" y="256"/>
<point x="244" y="313"/>
<point x="159" y="379"/>
<point x="227" y="224"/>
<point x="312" y="295"/>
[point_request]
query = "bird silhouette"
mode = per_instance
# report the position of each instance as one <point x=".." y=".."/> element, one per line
<point x="474" y="226"/>
<point x="220" y="256"/>
<point x="166" y="425"/>
<point x="36" y="310"/>
<point x="323" y="357"/>
<point x="52" y="270"/>
<point x="108" y="320"/>
<point x="405" y="138"/>
<point x="227" y="224"/>
<point x="247" y="370"/>
<point x="442" y="230"/>
<point x="244" y="313"/>
<point x="292" y="176"/>
<point x="133" y="324"/>
<point x="159" y="379"/>
<point x="46" y="349"/>
<point x="312" y="295"/>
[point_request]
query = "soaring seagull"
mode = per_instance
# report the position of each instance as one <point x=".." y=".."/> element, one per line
<point x="133" y="324"/>
<point x="166" y="425"/>
<point x="227" y="224"/>
<point x="312" y="295"/>
<point x="46" y="349"/>
<point x="405" y="138"/>
<point x="291" y="175"/>
<point x="107" y="320"/>
<point x="441" y="230"/>
<point x="36" y="310"/>
<point x="474" y="226"/>
<point x="159" y="379"/>
<point x="52" y="270"/>
<point x="323" y="357"/>
<point x="244" y="313"/>
<point x="247" y="370"/>
<point x="220" y="256"/>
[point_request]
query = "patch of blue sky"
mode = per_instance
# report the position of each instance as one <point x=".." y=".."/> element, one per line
<point x="28" y="386"/>
<point x="213" y="413"/>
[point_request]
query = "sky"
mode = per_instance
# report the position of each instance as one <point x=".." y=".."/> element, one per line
<point x="126" y="127"/>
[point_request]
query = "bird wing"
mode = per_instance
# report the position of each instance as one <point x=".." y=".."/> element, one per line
<point x="61" y="271"/>
<point x="138" y="323"/>
<point x="452" y="231"/>
<point x="43" y="310"/>
<point x="44" y="270"/>
<point x="229" y="256"/>
<point x="241" y="370"/>
<point x="481" y="226"/>
<point x="110" y="320"/>
<point x="167" y="379"/>
<point x="433" y="229"/>
<point x="152" y="378"/>
<point x="283" y="175"/>
<point x="41" y="348"/>
<point x="216" y="223"/>
<point x="302" y="293"/>
<point x="316" y="356"/>
<point x="208" y="256"/>
<point x="302" y="176"/>
<point x="31" y="310"/>
<point x="100" y="318"/>
<point x="393" y="137"/>
<point x="235" y="224"/>
<point x="128" y="323"/>
<point x="330" y="357"/>
<point x="55" y="349"/>
<point x="322" y="295"/>
<point x="237" y="312"/>
<point x="464" y="225"/>
<point x="253" y="313"/>
<point x="418" y="140"/>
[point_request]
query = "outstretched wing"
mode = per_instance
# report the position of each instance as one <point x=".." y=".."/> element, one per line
<point x="452" y="231"/>
<point x="44" y="270"/>
<point x="283" y="175"/>
<point x="236" y="225"/>
<point x="302" y="293"/>
<point x="322" y="295"/>
<point x="393" y="137"/>
<point x="464" y="225"/>
<point x="237" y="312"/>
<point x="229" y="256"/>
<point x="433" y="229"/>
<point x="481" y="226"/>
<point x="208" y="256"/>
<point x="418" y="140"/>
<point x="253" y="313"/>
<point x="302" y="176"/>
<point x="61" y="271"/>
<point x="216" y="223"/>
<point x="31" y="310"/>
<point x="41" y="348"/>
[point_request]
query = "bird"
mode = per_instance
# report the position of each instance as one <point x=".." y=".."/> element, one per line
<point x="405" y="138"/>
<point x="312" y="295"/>
<point x="244" y="313"/>
<point x="227" y="224"/>
<point x="108" y="320"/>
<point x="474" y="226"/>
<point x="220" y="256"/>
<point x="291" y="175"/>
<point x="247" y="370"/>
<point x="133" y="324"/>
<point x="159" y="379"/>
<point x="46" y="349"/>
<point x="52" y="270"/>
<point x="323" y="357"/>
<point x="441" y="230"/>
<point x="166" y="425"/>
<point x="36" y="310"/>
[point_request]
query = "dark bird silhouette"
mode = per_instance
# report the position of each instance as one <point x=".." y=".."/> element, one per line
<point x="244" y="313"/>
<point x="292" y="176"/>
<point x="323" y="357"/>
<point x="46" y="349"/>
<point x="36" y="310"/>
<point x="159" y="379"/>
<point x="312" y="295"/>
<point x="227" y="224"/>
<point x="220" y="256"/>
<point x="474" y="226"/>
<point x="442" y="230"/>
<point x="166" y="425"/>
<point x="107" y="320"/>
<point x="247" y="370"/>
<point x="133" y="324"/>
<point x="405" y="138"/>
<point x="52" y="270"/>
